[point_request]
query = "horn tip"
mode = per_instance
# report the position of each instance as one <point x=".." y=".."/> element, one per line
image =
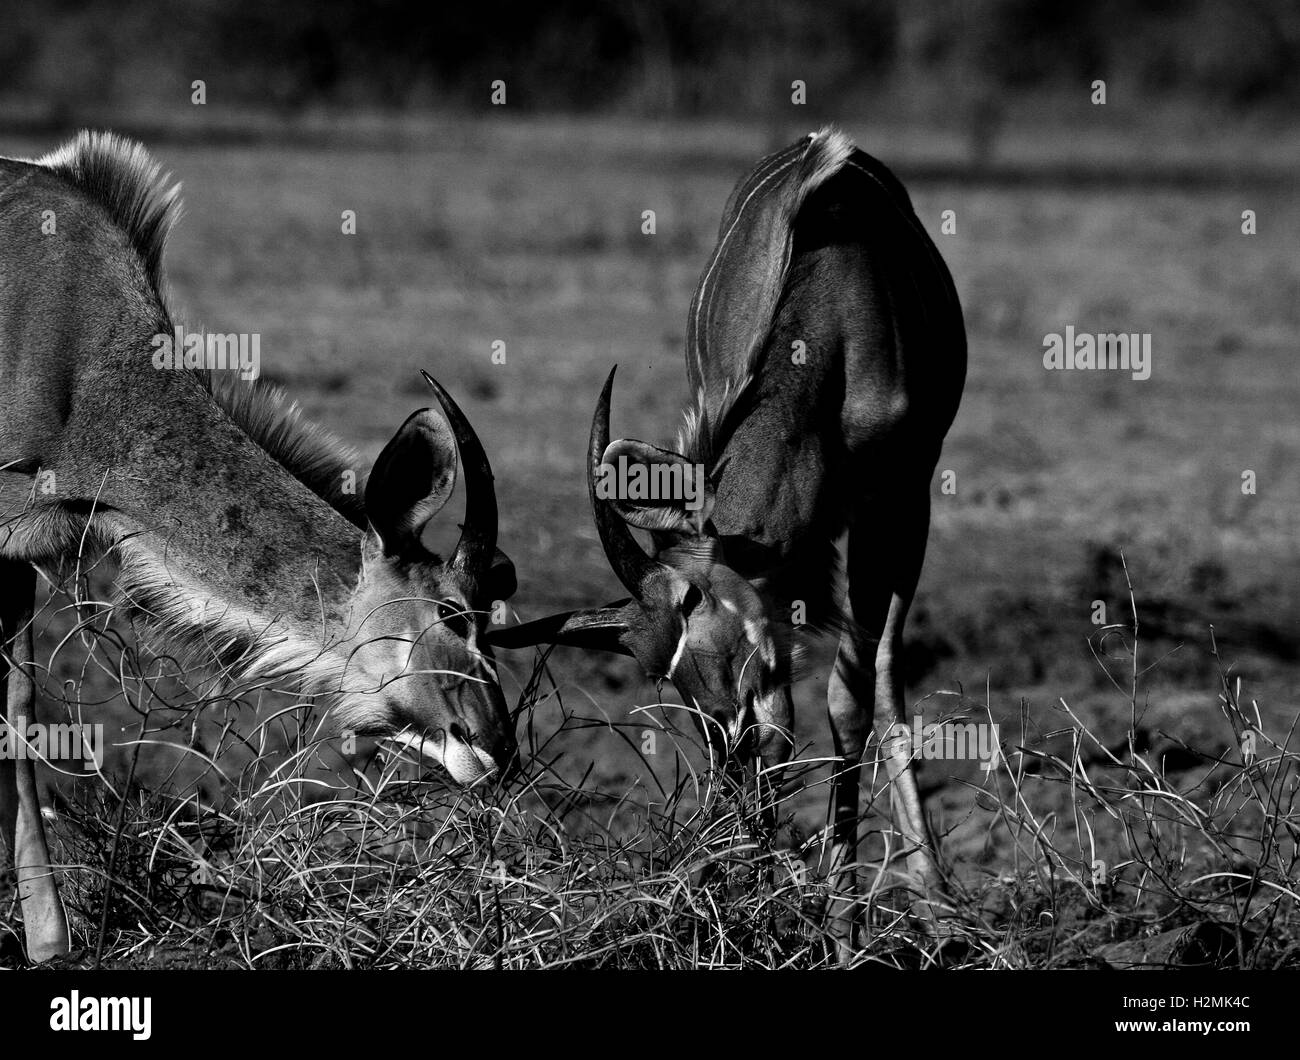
<point x="608" y="388"/>
<point x="450" y="409"/>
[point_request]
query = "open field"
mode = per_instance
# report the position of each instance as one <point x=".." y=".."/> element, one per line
<point x="531" y="236"/>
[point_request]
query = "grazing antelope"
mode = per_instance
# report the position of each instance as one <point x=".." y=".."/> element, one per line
<point x="228" y="514"/>
<point x="827" y="353"/>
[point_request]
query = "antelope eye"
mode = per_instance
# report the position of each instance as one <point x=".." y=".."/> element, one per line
<point x="453" y="615"/>
<point x="692" y="599"/>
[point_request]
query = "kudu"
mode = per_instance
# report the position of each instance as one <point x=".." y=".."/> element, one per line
<point x="230" y="516"/>
<point x="827" y="353"/>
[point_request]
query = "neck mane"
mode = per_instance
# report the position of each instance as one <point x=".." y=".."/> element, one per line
<point x="313" y="455"/>
<point x="234" y="555"/>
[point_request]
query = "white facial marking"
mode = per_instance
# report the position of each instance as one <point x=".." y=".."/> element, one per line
<point x="466" y="763"/>
<point x="681" y="649"/>
<point x="757" y="637"/>
<point x="410" y="740"/>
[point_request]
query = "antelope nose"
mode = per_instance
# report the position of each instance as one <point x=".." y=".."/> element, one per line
<point x="465" y="760"/>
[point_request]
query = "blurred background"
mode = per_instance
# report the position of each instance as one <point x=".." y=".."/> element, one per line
<point x="679" y="57"/>
<point x="522" y="223"/>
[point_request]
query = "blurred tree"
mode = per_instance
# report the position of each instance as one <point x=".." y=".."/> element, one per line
<point x="657" y="56"/>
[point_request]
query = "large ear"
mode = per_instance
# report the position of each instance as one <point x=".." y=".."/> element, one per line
<point x="411" y="480"/>
<point x="596" y="629"/>
<point x="655" y="489"/>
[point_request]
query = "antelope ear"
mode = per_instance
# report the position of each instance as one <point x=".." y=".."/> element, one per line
<point x="596" y="629"/>
<point x="500" y="581"/>
<point x="655" y="489"/>
<point x="412" y="479"/>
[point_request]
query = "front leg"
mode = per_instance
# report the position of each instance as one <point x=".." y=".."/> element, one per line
<point x="45" y="924"/>
<point x="885" y="551"/>
<point x="894" y="729"/>
<point x="847" y="697"/>
<point x="775" y="747"/>
<point x="897" y="552"/>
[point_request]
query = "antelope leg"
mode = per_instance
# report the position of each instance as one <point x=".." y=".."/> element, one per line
<point x="44" y="921"/>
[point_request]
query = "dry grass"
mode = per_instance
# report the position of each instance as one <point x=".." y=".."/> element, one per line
<point x="1106" y="846"/>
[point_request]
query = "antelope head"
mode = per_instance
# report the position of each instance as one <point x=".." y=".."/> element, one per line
<point x="691" y="618"/>
<point x="417" y="668"/>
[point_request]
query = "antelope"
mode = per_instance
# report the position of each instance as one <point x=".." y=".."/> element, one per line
<point x="827" y="354"/>
<point x="228" y="514"/>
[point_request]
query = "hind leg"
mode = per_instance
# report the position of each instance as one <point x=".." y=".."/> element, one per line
<point x="885" y="551"/>
<point x="20" y="808"/>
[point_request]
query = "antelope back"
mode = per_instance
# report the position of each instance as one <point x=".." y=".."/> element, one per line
<point x="735" y="302"/>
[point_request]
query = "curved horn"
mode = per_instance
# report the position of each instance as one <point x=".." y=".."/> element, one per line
<point x="478" y="535"/>
<point x="626" y="557"/>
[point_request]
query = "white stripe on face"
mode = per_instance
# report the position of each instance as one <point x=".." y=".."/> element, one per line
<point x="758" y="638"/>
<point x="681" y="649"/>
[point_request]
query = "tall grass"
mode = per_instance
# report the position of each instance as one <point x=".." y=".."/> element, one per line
<point x="1098" y="855"/>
